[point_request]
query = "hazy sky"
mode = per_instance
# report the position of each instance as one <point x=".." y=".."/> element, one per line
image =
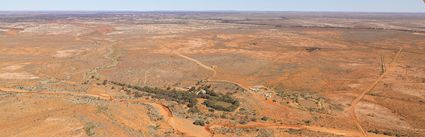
<point x="196" y="5"/>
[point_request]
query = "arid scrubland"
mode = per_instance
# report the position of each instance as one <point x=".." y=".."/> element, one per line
<point x="212" y="74"/>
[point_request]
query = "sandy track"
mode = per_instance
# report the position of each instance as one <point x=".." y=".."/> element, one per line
<point x="354" y="103"/>
<point x="209" y="79"/>
<point x="211" y="68"/>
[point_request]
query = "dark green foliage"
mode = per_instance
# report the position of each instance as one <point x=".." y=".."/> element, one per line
<point x="117" y="83"/>
<point x="214" y="100"/>
<point x="173" y="95"/>
<point x="221" y="102"/>
<point x="265" y="118"/>
<point x="192" y="102"/>
<point x="199" y="122"/>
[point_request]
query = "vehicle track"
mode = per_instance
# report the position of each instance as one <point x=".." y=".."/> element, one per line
<point x="212" y="68"/>
<point x="354" y="103"/>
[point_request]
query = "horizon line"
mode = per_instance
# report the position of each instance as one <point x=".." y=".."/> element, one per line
<point x="301" y="11"/>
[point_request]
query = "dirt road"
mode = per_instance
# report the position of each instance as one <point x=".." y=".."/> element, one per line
<point x="211" y="68"/>
<point x="352" y="109"/>
<point x="209" y="79"/>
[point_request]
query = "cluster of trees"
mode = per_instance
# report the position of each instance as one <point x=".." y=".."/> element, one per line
<point x="219" y="104"/>
<point x="219" y="101"/>
<point x="213" y="100"/>
<point x="167" y="94"/>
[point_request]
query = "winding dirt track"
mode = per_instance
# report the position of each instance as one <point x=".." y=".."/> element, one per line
<point x="209" y="79"/>
<point x="200" y="64"/>
<point x="352" y="109"/>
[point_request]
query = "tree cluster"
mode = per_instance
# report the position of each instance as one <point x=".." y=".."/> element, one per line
<point x="188" y="97"/>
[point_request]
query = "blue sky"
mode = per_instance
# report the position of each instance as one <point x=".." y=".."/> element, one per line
<point x="197" y="5"/>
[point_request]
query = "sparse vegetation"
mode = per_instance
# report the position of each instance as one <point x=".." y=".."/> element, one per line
<point x="193" y="110"/>
<point x="102" y="109"/>
<point x="105" y="82"/>
<point x="307" y="122"/>
<point x="387" y="133"/>
<point x="265" y="118"/>
<point x="295" y="99"/>
<point x="89" y="129"/>
<point x="165" y="73"/>
<point x="243" y="121"/>
<point x="294" y="131"/>
<point x="199" y="122"/>
<point x="312" y="49"/>
<point x="265" y="133"/>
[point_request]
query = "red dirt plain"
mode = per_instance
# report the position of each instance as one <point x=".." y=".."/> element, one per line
<point x="294" y="74"/>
